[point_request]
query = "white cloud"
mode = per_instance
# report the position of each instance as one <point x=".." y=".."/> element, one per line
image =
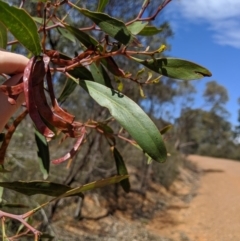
<point x="222" y="16"/>
<point x="227" y="32"/>
<point x="210" y="9"/>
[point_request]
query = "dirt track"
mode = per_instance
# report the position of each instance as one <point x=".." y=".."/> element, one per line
<point x="214" y="214"/>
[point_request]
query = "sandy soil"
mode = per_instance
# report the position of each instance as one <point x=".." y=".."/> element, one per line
<point x="214" y="213"/>
<point x="202" y="204"/>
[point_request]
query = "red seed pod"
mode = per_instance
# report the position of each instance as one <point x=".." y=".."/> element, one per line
<point x="74" y="150"/>
<point x="43" y="107"/>
<point x="56" y="108"/>
<point x="32" y="71"/>
<point x="9" y="135"/>
<point x="12" y="90"/>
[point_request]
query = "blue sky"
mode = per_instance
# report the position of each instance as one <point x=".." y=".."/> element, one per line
<point x="208" y="32"/>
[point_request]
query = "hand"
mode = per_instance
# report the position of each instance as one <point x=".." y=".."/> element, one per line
<point x="11" y="64"/>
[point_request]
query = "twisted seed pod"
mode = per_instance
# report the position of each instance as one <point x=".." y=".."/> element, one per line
<point x="37" y="104"/>
<point x="12" y="90"/>
<point x="32" y="72"/>
<point x="9" y="135"/>
<point x="74" y="150"/>
<point x="42" y="105"/>
<point x="56" y="108"/>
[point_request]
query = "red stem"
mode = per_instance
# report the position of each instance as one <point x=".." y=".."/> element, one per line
<point x="160" y="8"/>
<point x="20" y="218"/>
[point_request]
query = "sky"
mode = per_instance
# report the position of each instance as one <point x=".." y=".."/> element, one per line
<point x="208" y="32"/>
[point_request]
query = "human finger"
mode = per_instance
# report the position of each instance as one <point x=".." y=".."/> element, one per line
<point x="11" y="63"/>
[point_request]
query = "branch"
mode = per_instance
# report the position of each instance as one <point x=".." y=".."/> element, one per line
<point x="139" y="17"/>
<point x="21" y="218"/>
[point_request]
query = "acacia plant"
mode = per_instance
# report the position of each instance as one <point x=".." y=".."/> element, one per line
<point x="95" y="70"/>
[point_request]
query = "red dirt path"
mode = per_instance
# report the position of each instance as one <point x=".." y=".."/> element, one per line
<point x="214" y="214"/>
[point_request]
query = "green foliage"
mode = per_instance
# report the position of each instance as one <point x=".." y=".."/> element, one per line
<point x="86" y="39"/>
<point x="131" y="117"/>
<point x="101" y="5"/>
<point x="37" y="187"/>
<point x="3" y="36"/>
<point x="136" y="27"/>
<point x="56" y="189"/>
<point x="175" y="68"/>
<point x="149" y="31"/>
<point x="69" y="87"/>
<point x="15" y="20"/>
<point x="110" y="26"/>
<point x="216" y="95"/>
<point x="107" y="48"/>
<point x="207" y="132"/>
<point x="121" y="169"/>
<point x="43" y="154"/>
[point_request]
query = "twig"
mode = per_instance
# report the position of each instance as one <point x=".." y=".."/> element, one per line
<point x="139" y="17"/>
<point x="20" y="218"/>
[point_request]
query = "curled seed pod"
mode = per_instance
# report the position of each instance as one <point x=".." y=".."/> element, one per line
<point x="9" y="135"/>
<point x="74" y="150"/>
<point x="42" y="105"/>
<point x="32" y="72"/>
<point x="56" y="108"/>
<point x="12" y="90"/>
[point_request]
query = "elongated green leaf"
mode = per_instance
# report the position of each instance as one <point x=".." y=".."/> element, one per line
<point x="111" y="26"/>
<point x="38" y="187"/>
<point x="78" y="73"/>
<point x="97" y="73"/>
<point x="111" y="66"/>
<point x="41" y="21"/>
<point x="69" y="87"/>
<point x="136" y="27"/>
<point x="78" y="190"/>
<point x="106" y="77"/>
<point x="82" y="37"/>
<point x="101" y="5"/>
<point x="94" y="185"/>
<point x="88" y="42"/>
<point x="105" y="128"/>
<point x="22" y="26"/>
<point x="131" y="117"/>
<point x="65" y="33"/>
<point x="175" y="68"/>
<point x="43" y="154"/>
<point x="121" y="169"/>
<point x="149" y="31"/>
<point x="3" y="36"/>
<point x="81" y="73"/>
